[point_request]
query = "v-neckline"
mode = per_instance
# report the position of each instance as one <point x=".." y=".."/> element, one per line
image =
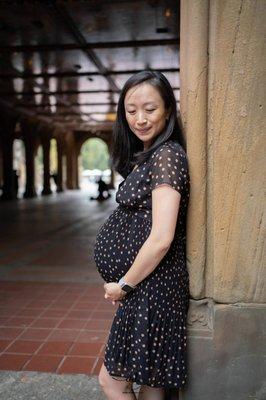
<point x="133" y="170"/>
<point x="136" y="167"/>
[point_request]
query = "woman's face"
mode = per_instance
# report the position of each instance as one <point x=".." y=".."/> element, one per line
<point x="145" y="112"/>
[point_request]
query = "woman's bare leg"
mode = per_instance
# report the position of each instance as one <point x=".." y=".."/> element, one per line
<point x="115" y="389"/>
<point x="151" y="393"/>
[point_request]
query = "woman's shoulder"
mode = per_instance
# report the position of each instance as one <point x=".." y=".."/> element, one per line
<point x="170" y="146"/>
<point x="175" y="146"/>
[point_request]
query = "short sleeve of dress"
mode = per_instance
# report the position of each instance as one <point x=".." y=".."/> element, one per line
<point x="169" y="165"/>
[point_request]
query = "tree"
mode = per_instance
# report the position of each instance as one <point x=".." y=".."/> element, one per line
<point x="94" y="154"/>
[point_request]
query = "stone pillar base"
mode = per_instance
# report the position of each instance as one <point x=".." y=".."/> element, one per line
<point x="6" y="196"/>
<point x="46" y="192"/>
<point x="225" y="347"/>
<point x="29" y="193"/>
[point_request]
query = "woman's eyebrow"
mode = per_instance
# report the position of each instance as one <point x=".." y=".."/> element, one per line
<point x="149" y="102"/>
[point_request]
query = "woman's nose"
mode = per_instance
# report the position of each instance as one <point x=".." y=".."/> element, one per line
<point x="141" y="119"/>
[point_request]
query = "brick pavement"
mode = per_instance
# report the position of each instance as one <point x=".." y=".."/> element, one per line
<point x="53" y="315"/>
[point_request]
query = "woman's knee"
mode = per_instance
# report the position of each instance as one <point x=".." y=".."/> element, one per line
<point x="107" y="381"/>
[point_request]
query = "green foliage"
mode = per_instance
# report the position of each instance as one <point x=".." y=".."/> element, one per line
<point x="94" y="154"/>
<point x="39" y="156"/>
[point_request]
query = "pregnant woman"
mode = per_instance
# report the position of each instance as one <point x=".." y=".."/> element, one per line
<point x="140" y="250"/>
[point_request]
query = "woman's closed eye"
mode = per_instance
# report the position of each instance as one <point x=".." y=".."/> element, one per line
<point x="148" y="111"/>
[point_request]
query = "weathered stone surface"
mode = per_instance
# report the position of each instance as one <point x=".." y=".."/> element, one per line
<point x="226" y="351"/>
<point x="193" y="107"/>
<point x="222" y="101"/>
<point x="236" y="152"/>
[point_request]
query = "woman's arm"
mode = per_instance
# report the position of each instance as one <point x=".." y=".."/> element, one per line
<point x="165" y="206"/>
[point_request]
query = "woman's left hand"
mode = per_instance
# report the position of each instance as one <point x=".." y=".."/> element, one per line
<point x="113" y="291"/>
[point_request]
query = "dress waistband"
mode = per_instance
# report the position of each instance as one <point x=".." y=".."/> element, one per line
<point x="141" y="212"/>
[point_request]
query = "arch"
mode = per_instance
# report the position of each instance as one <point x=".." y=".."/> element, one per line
<point x="19" y="167"/>
<point x="93" y="155"/>
<point x="53" y="163"/>
<point x="38" y="161"/>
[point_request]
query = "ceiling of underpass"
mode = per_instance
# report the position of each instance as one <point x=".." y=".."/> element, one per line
<point x="65" y="62"/>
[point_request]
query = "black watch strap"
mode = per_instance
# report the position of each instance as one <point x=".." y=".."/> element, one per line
<point x="124" y="286"/>
<point x="127" y="288"/>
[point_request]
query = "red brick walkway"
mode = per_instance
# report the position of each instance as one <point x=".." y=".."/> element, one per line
<point x="53" y="315"/>
<point x="53" y="327"/>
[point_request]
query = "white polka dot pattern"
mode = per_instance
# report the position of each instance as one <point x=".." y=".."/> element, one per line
<point x="169" y="166"/>
<point x="147" y="339"/>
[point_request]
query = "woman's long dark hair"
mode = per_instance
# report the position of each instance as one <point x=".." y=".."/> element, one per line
<point x="127" y="148"/>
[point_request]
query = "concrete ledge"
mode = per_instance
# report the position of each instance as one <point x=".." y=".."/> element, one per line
<point x="27" y="385"/>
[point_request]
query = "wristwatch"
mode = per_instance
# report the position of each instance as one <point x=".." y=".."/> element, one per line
<point x="126" y="286"/>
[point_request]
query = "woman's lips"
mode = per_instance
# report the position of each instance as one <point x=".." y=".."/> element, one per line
<point x="143" y="130"/>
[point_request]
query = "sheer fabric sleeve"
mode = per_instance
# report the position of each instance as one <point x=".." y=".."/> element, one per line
<point x="169" y="166"/>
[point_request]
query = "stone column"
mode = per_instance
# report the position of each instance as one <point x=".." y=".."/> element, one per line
<point x="222" y="86"/>
<point x="8" y="192"/>
<point x="193" y="109"/>
<point x="59" y="186"/>
<point x="1" y="164"/>
<point x="46" y="166"/>
<point x="77" y="168"/>
<point x="29" y="135"/>
<point x="7" y="128"/>
<point x="72" y="169"/>
<point x="72" y="162"/>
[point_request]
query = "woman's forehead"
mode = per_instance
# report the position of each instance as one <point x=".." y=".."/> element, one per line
<point x="144" y="93"/>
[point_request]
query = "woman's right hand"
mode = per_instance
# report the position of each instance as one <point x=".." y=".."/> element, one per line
<point x="114" y="292"/>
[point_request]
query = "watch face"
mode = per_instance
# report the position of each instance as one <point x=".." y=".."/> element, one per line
<point x="127" y="288"/>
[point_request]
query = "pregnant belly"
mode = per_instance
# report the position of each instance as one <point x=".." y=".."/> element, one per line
<point x="117" y="244"/>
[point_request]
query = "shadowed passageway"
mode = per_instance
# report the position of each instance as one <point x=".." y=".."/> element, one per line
<point x="54" y="317"/>
<point x="62" y="70"/>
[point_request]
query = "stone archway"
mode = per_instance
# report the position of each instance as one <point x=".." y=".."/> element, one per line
<point x="102" y="159"/>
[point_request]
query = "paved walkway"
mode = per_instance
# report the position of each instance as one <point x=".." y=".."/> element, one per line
<point x="53" y="316"/>
<point x="43" y="386"/>
<point x="53" y="327"/>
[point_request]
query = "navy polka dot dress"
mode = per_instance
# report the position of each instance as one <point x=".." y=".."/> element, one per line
<point x="147" y="339"/>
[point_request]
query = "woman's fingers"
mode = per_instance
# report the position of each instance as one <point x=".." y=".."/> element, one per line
<point x="107" y="296"/>
<point x="114" y="298"/>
